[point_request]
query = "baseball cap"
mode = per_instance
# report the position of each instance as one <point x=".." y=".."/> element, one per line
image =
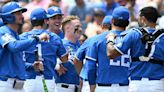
<point x="38" y="14"/>
<point x="52" y="11"/>
<point x="107" y="20"/>
<point x="121" y="13"/>
<point x="12" y="7"/>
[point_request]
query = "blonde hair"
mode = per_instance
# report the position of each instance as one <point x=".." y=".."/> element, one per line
<point x="67" y="19"/>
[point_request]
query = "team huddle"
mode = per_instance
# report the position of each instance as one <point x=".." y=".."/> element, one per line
<point x="116" y="60"/>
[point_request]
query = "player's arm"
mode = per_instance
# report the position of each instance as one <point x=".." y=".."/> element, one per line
<point x="91" y="59"/>
<point x="128" y="42"/>
<point x="92" y="88"/>
<point x="111" y="51"/>
<point x="14" y="45"/>
<point x="78" y="58"/>
<point x="92" y="68"/>
<point x="78" y="65"/>
<point x="61" y="51"/>
<point x="64" y="58"/>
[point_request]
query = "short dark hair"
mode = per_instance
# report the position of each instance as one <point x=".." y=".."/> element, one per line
<point x="121" y="23"/>
<point x="150" y="13"/>
<point x="37" y="22"/>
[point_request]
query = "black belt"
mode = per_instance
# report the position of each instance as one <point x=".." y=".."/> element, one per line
<point x="83" y="79"/>
<point x="66" y="86"/>
<point x="140" y="78"/>
<point x="120" y="84"/>
<point x="155" y="61"/>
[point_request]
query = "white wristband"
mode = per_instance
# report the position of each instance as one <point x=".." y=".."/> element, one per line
<point x="57" y="67"/>
<point x="111" y="39"/>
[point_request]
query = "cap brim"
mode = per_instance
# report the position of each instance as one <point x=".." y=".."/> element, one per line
<point x="19" y="9"/>
<point x="49" y="16"/>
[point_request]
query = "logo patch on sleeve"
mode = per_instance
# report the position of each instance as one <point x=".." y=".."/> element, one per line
<point x="7" y="38"/>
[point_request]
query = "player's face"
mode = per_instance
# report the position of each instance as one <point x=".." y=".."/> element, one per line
<point x="55" y="22"/>
<point x="76" y="28"/>
<point x="18" y="17"/>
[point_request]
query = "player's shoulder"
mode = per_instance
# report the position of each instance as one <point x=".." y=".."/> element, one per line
<point x="65" y="41"/>
<point x="4" y="29"/>
<point x="55" y="36"/>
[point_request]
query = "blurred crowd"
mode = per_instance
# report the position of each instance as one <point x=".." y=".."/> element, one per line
<point x="90" y="12"/>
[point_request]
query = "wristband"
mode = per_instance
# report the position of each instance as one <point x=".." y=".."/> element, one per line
<point x="109" y="41"/>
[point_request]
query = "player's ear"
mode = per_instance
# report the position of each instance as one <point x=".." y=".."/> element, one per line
<point x="112" y="21"/>
<point x="46" y="21"/>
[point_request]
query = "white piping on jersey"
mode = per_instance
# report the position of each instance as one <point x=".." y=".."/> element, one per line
<point x="87" y="57"/>
<point x="64" y="54"/>
<point x="118" y="50"/>
<point x="76" y="57"/>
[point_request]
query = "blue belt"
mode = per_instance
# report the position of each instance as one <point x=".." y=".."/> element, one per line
<point x="140" y="78"/>
<point x="120" y="84"/>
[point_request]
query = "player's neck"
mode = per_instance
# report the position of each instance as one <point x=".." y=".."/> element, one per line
<point x="117" y="28"/>
<point x="56" y="31"/>
<point x="38" y="27"/>
<point x="151" y="25"/>
<point x="71" y="39"/>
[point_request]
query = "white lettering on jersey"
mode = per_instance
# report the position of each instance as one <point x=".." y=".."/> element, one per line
<point x="124" y="61"/>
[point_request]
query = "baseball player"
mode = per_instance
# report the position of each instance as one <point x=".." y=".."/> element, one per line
<point x="12" y="66"/>
<point x="146" y="70"/>
<point x="81" y="52"/>
<point x="55" y="17"/>
<point x="69" y="81"/>
<point x="106" y="23"/>
<point x="48" y="52"/>
<point x="109" y="75"/>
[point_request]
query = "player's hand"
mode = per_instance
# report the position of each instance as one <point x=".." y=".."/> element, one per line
<point x="61" y="69"/>
<point x="111" y="36"/>
<point x="38" y="66"/>
<point x="44" y="37"/>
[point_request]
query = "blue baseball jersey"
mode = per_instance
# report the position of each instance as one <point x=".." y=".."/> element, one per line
<point x="11" y="50"/>
<point x="103" y="70"/>
<point x="80" y="55"/>
<point x="60" y="34"/>
<point x="50" y="50"/>
<point x="71" y="76"/>
<point x="143" y="69"/>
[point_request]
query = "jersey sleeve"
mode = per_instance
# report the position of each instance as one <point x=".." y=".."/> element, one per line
<point x="128" y="42"/>
<point x="92" y="52"/>
<point x="10" y="42"/>
<point x="61" y="49"/>
<point x="6" y="38"/>
<point x="80" y="54"/>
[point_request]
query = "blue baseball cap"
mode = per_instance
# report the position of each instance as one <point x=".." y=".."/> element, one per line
<point x="52" y="11"/>
<point x="121" y="13"/>
<point x="107" y="20"/>
<point x="12" y="7"/>
<point x="38" y="14"/>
